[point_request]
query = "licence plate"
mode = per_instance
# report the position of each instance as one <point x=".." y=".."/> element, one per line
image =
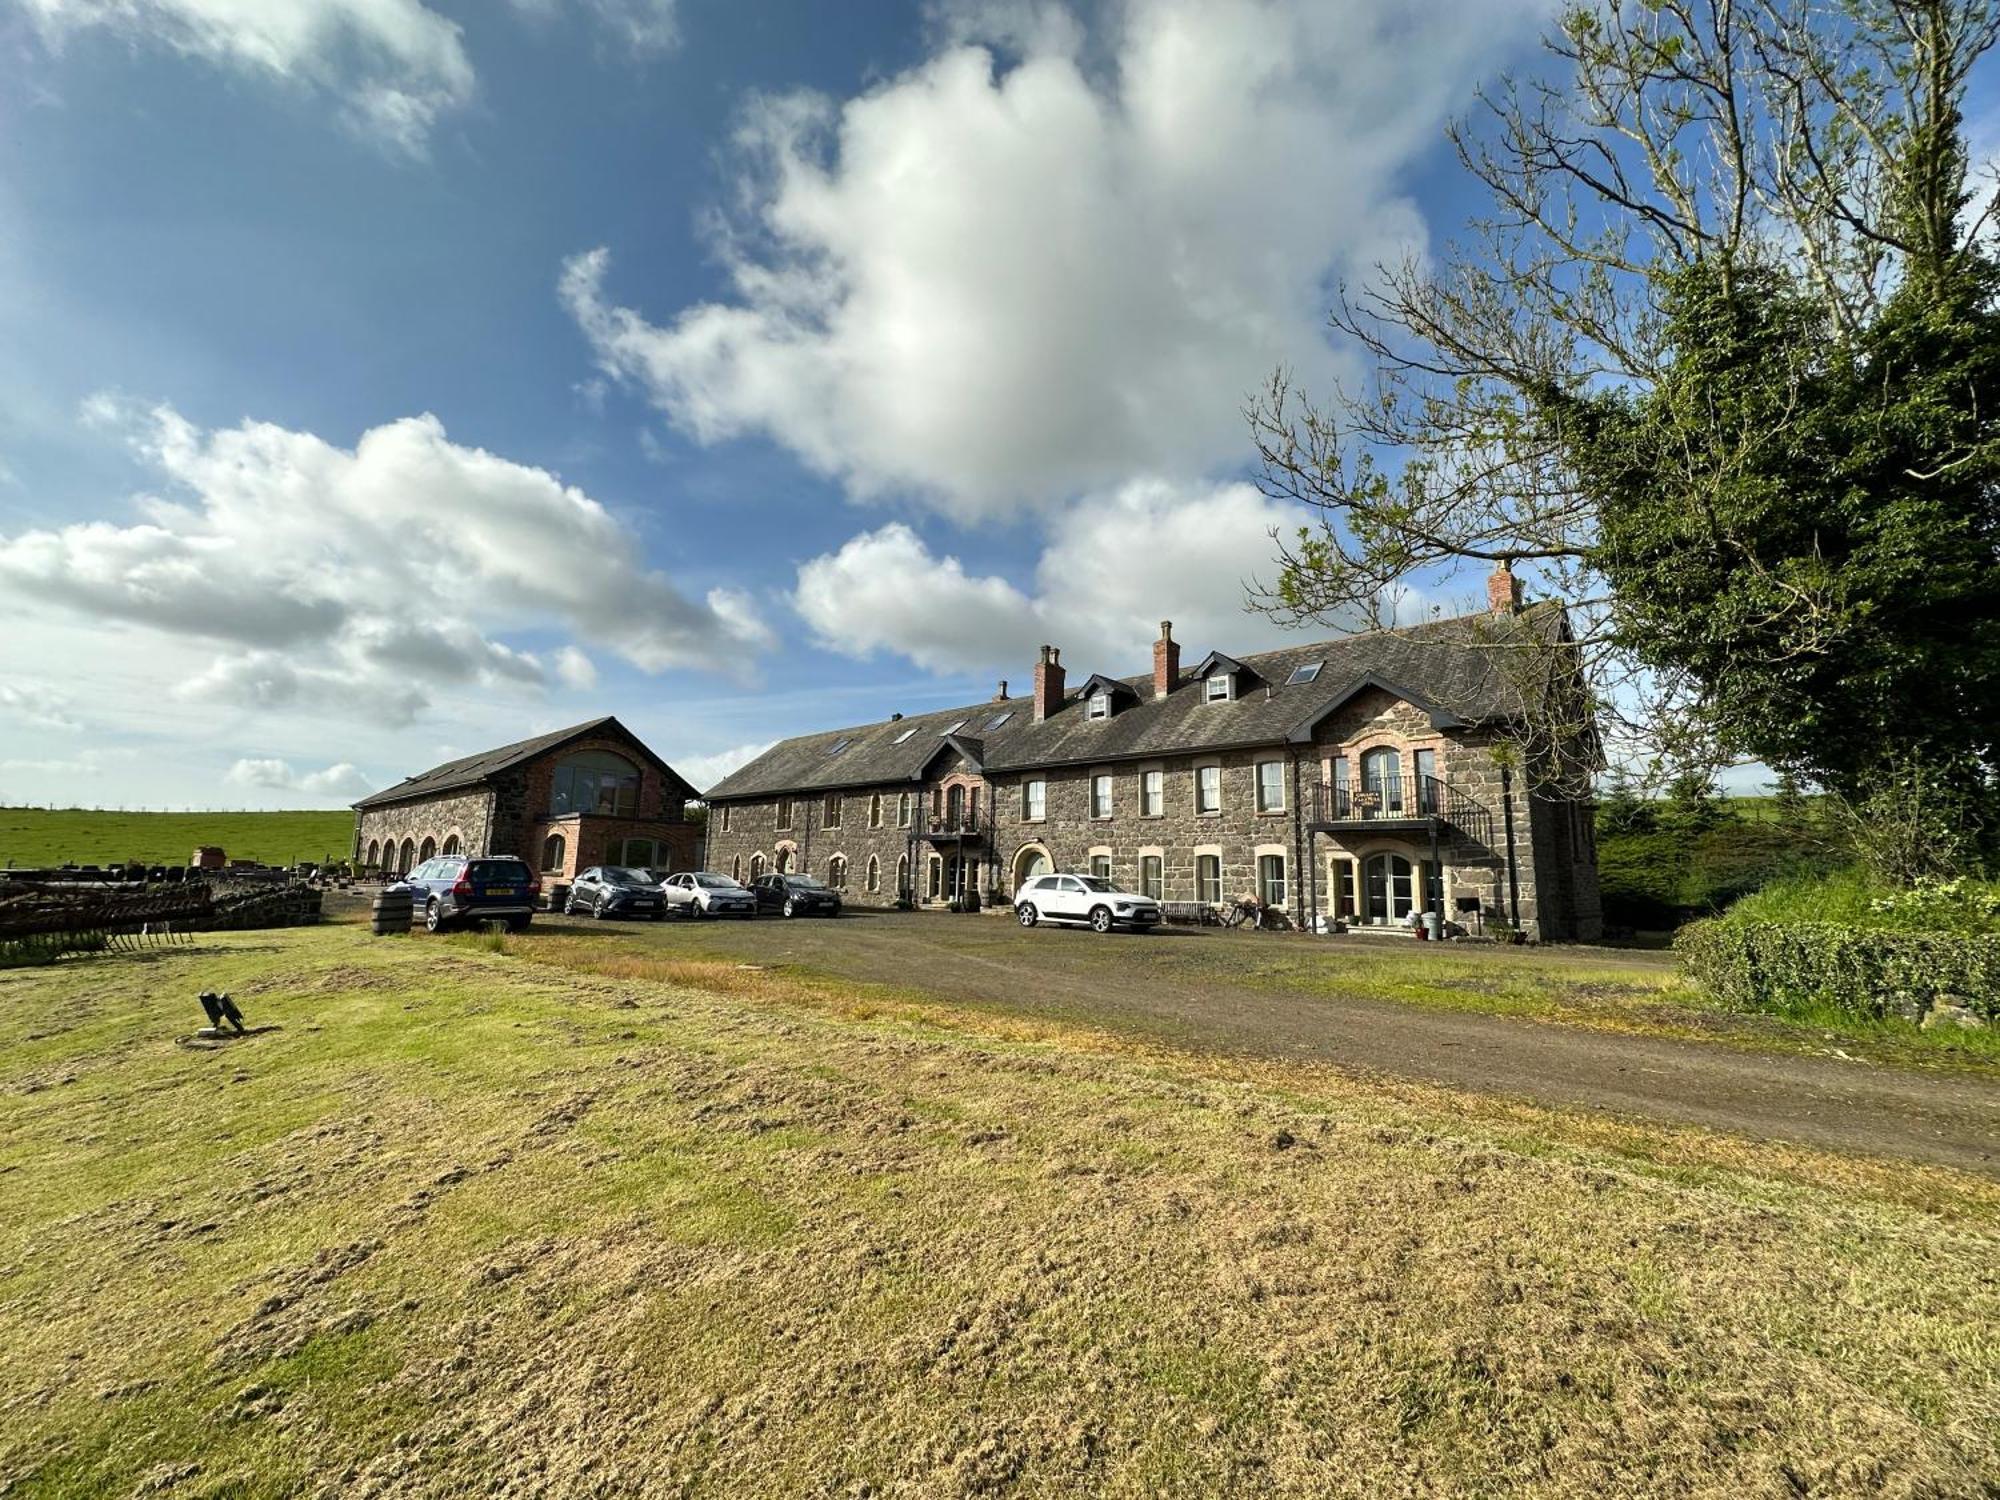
<point x="499" y="890"/>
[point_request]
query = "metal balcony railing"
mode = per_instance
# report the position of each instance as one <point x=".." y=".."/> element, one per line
<point x="1394" y="800"/>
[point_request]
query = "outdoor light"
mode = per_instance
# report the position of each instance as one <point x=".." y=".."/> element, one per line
<point x="221" y="1008"/>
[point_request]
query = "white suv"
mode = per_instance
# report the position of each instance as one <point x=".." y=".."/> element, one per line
<point x="1083" y="898"/>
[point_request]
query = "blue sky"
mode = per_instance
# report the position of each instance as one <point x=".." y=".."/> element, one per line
<point x="384" y="379"/>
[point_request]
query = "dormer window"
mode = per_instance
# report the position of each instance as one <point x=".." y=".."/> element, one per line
<point x="1218" y="689"/>
<point x="1100" y="706"/>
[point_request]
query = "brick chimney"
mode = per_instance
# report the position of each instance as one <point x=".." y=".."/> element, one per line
<point x="1001" y="696"/>
<point x="1503" y="590"/>
<point x="1166" y="660"/>
<point x="1048" y="683"/>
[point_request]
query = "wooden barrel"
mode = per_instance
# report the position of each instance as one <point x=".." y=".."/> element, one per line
<point x="390" y="912"/>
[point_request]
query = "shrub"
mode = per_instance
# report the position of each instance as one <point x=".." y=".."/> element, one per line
<point x="1870" y="972"/>
<point x="1661" y="879"/>
<point x="1854" y="898"/>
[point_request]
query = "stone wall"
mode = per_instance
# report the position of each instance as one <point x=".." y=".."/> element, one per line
<point x="466" y="814"/>
<point x="751" y="831"/>
<point x="592" y="840"/>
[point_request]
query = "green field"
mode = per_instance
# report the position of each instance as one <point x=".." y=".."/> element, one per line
<point x="31" y="836"/>
<point x="485" y="1219"/>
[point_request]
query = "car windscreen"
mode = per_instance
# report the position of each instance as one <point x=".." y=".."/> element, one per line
<point x="803" y="883"/>
<point x="1097" y="883"/>
<point x="619" y="875"/>
<point x="716" y="883"/>
<point x="496" y="871"/>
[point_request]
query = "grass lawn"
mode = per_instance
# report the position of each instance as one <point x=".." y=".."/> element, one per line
<point x="31" y="836"/>
<point x="479" y="1221"/>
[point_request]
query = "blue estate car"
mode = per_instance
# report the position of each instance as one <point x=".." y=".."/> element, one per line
<point x="454" y="890"/>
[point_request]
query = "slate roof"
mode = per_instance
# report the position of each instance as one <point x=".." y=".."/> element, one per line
<point x="476" y="770"/>
<point x="1453" y="669"/>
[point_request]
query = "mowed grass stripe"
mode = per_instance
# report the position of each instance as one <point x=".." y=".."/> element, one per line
<point x="474" y="1222"/>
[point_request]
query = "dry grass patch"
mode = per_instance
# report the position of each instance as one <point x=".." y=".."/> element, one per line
<point x="481" y="1224"/>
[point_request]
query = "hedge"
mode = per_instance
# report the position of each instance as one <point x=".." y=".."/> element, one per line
<point x="1768" y="966"/>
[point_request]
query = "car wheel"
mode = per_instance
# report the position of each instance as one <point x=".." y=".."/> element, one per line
<point x="569" y="906"/>
<point x="1026" y="914"/>
<point x="791" y="907"/>
<point x="1100" y="919"/>
<point x="433" y="916"/>
<point x="597" y="910"/>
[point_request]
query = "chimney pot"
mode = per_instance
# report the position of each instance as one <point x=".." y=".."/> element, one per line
<point x="895" y="716"/>
<point x="1001" y="696"/>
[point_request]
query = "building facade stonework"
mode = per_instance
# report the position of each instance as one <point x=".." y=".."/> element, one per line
<point x="1358" y="780"/>
<point x="588" y="795"/>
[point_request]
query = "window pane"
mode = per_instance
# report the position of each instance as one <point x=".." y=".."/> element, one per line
<point x="1208" y="878"/>
<point x="1271" y="879"/>
<point x="1150" y="883"/>
<point x="1100" y="866"/>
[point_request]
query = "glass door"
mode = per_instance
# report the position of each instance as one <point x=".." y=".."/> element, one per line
<point x="1388" y="881"/>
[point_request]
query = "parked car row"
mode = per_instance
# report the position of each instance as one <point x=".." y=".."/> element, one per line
<point x="454" y="890"/>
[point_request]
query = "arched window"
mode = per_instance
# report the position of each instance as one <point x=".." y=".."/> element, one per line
<point x="450" y="845"/>
<point x="784" y="861"/>
<point x="903" y="877"/>
<point x="427" y="849"/>
<point x="374" y="854"/>
<point x="874" y="873"/>
<point x="1382" y="779"/>
<point x="594" y="781"/>
<point x="756" y="865"/>
<point x="836" y="872"/>
<point x="736" y="868"/>
<point x="555" y="850"/>
<point x="407" y="860"/>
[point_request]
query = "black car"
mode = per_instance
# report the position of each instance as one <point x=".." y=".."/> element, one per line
<point x="795" y="896"/>
<point x="615" y="891"/>
<point x="454" y="890"/>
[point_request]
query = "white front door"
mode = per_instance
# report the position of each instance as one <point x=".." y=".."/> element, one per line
<point x="1387" y="877"/>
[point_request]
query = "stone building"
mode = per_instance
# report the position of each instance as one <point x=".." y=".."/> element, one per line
<point x="588" y="795"/>
<point x="1362" y="778"/>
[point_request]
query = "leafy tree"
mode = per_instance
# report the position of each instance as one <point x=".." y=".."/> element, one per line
<point x="1720" y="365"/>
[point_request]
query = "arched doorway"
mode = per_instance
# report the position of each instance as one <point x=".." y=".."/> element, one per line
<point x="756" y="865"/>
<point x="1388" y="884"/>
<point x="450" y="845"/>
<point x="374" y="854"/>
<point x="427" y="849"/>
<point x="1030" y="861"/>
<point x="407" y="860"/>
<point x="784" y="861"/>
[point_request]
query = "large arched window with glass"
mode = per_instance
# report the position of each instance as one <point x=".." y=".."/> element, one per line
<point x="595" y="781"/>
<point x="1382" y="780"/>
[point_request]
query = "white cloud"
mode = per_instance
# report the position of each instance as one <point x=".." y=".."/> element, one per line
<point x="987" y="285"/>
<point x="341" y="782"/>
<point x="643" y="27"/>
<point x="704" y="771"/>
<point x="38" y="707"/>
<point x="395" y="65"/>
<point x="362" y="580"/>
<point x="1112" y="569"/>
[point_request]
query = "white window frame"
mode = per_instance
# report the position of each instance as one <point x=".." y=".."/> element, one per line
<point x="830" y="810"/>
<point x="903" y="805"/>
<point x="874" y="809"/>
<point x="1262" y="805"/>
<point x="1035" y="800"/>
<point x="1153" y="792"/>
<point x="1224" y="680"/>
<point x="1264" y="852"/>
<point x="1100" y="706"/>
<point x="1214" y="853"/>
<point x="1102" y="858"/>
<point x="782" y="815"/>
<point x="1159" y="860"/>
<point x="1201" y="770"/>
<point x="1110" y="795"/>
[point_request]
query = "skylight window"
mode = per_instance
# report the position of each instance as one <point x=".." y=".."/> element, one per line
<point x="903" y="736"/>
<point x="998" y="719"/>
<point x="1304" y="673"/>
<point x="956" y="727"/>
<point x="840" y="744"/>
